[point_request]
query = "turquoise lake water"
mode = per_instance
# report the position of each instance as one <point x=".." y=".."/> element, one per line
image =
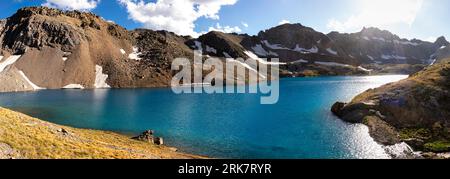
<point x="299" y="126"/>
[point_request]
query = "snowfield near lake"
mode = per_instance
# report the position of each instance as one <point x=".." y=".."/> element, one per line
<point x="73" y="86"/>
<point x="34" y="86"/>
<point x="100" y="78"/>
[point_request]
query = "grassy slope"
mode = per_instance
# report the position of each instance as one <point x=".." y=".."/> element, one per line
<point x="22" y="136"/>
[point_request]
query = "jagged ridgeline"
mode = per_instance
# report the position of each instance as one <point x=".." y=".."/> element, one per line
<point x="48" y="48"/>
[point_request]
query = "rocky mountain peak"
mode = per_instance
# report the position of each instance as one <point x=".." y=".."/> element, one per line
<point x="219" y="43"/>
<point x="377" y="33"/>
<point x="52" y="12"/>
<point x="38" y="27"/>
<point x="293" y="35"/>
<point x="441" y="41"/>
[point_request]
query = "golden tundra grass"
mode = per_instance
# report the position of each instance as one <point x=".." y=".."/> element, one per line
<point x="22" y="136"/>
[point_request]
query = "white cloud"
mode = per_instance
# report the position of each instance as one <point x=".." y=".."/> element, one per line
<point x="284" y="21"/>
<point x="245" y="24"/>
<point x="174" y="15"/>
<point x="226" y="29"/>
<point x="380" y="13"/>
<point x="83" y="5"/>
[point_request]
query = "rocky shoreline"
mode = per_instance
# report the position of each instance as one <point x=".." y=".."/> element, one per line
<point x="414" y="111"/>
<point x="24" y="137"/>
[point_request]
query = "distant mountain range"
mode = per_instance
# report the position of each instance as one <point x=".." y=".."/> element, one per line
<point x="47" y="48"/>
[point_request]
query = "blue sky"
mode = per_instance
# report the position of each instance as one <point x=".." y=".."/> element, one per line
<point x="424" y="19"/>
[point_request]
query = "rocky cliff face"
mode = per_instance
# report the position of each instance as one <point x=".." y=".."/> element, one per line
<point x="441" y="54"/>
<point x="415" y="110"/>
<point x="52" y="49"/>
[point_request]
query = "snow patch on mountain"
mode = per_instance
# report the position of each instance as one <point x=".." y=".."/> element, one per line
<point x="122" y="51"/>
<point x="198" y="46"/>
<point x="300" y="61"/>
<point x="389" y="57"/>
<point x="227" y="55"/>
<point x="274" y="46"/>
<point x="246" y="66"/>
<point x="34" y="86"/>
<point x="332" y="64"/>
<point x="258" y="49"/>
<point x="135" y="55"/>
<point x="211" y="49"/>
<point x="313" y="49"/>
<point x="364" y="69"/>
<point x="297" y="48"/>
<point x="331" y="51"/>
<point x="9" y="61"/>
<point x="379" y="39"/>
<point x="100" y="78"/>
<point x="73" y="86"/>
<point x="406" y="43"/>
<point x="255" y="57"/>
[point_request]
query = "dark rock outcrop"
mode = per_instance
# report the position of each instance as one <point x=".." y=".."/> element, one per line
<point x="148" y="136"/>
<point x="441" y="42"/>
<point x="68" y="48"/>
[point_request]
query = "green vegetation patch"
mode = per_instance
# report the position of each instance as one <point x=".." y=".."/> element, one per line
<point x="422" y="133"/>
<point x="438" y="146"/>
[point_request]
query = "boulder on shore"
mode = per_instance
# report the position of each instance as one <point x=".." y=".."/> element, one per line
<point x="148" y="136"/>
